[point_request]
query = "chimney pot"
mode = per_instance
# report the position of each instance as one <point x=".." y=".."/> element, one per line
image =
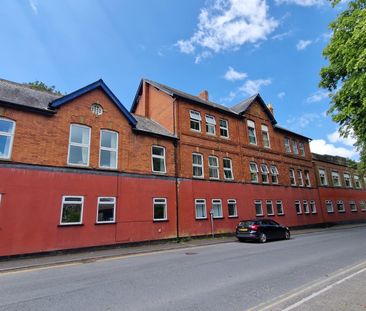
<point x="270" y="108"/>
<point x="203" y="95"/>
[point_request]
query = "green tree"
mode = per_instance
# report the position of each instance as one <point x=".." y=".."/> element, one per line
<point x="40" y="86"/>
<point x="345" y="75"/>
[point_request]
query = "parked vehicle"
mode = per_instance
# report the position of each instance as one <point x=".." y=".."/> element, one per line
<point x="261" y="230"/>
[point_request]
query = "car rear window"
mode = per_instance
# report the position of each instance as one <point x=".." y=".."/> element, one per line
<point x="247" y="223"/>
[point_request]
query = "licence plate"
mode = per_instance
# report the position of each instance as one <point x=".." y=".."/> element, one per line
<point x="243" y="229"/>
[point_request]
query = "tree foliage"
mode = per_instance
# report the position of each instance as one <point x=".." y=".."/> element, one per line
<point x="345" y="75"/>
<point x="40" y="86"/>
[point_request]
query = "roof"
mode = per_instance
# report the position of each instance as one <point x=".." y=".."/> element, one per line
<point x="177" y="93"/>
<point x="24" y="96"/>
<point x="291" y="132"/>
<point x="150" y="126"/>
<point x="330" y="159"/>
<point x="97" y="84"/>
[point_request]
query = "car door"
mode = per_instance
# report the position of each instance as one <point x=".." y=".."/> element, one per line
<point x="267" y="229"/>
<point x="277" y="230"/>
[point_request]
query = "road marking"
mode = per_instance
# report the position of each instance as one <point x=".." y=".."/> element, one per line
<point x="297" y="292"/>
<point x="55" y="265"/>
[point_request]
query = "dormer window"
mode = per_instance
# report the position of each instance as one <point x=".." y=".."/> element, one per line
<point x="195" y="120"/>
<point x="210" y="125"/>
<point x="251" y="132"/>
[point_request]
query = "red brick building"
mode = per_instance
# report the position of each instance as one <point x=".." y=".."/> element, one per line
<point x="81" y="170"/>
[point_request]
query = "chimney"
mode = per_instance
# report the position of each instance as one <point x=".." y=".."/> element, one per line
<point x="203" y="95"/>
<point x="270" y="108"/>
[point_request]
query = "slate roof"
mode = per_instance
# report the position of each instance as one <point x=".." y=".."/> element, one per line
<point x="24" y="96"/>
<point x="150" y="126"/>
<point x="244" y="105"/>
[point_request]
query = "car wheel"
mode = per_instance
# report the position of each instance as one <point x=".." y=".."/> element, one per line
<point x="262" y="238"/>
<point x="241" y="240"/>
<point x="287" y="235"/>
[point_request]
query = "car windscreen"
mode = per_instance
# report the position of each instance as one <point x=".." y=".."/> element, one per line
<point x="247" y="223"/>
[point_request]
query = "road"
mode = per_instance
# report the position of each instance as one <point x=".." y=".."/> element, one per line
<point x="230" y="276"/>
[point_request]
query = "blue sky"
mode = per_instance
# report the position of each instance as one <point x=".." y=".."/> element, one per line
<point x="232" y="48"/>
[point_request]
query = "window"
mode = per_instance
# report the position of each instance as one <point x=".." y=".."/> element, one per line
<point x="71" y="210"/>
<point x="269" y="207"/>
<point x="312" y="207"/>
<point x="200" y="206"/>
<point x="340" y="206"/>
<point x="302" y="149"/>
<point x="251" y="132"/>
<point x="294" y="147"/>
<point x="287" y="145"/>
<point x="224" y="128"/>
<point x="210" y="125"/>
<point x="79" y="145"/>
<point x="265" y="172"/>
<point x="265" y="136"/>
<point x="217" y="209"/>
<point x="160" y="210"/>
<point x="106" y="210"/>
<point x="232" y="209"/>
<point x="228" y="171"/>
<point x="298" y="207"/>
<point x="158" y="159"/>
<point x="292" y="177"/>
<point x="279" y="207"/>
<point x="197" y="165"/>
<point x="7" y="129"/>
<point x="363" y="206"/>
<point x="329" y="206"/>
<point x="323" y="177"/>
<point x="306" y="207"/>
<point x="258" y="208"/>
<point x="108" y="149"/>
<point x="274" y="172"/>
<point x="299" y="178"/>
<point x="213" y="167"/>
<point x="253" y="172"/>
<point x="347" y="180"/>
<point x="195" y="118"/>
<point x="307" y="179"/>
<point x="352" y="206"/>
<point x="335" y="178"/>
<point x="357" y="182"/>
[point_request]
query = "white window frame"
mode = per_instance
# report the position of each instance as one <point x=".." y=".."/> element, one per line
<point x="160" y="201"/>
<point x="108" y="149"/>
<point x="251" y="125"/>
<point x="287" y="145"/>
<point x="233" y="202"/>
<point x="301" y="149"/>
<point x="213" y="167"/>
<point x="228" y="169"/>
<point x="11" y="135"/>
<point x="210" y="125"/>
<point x="305" y="205"/>
<point x="347" y="177"/>
<point x="269" y="204"/>
<point x="255" y="207"/>
<point x="312" y="207"/>
<point x="79" y="145"/>
<point x="362" y="205"/>
<point x="329" y="203"/>
<point x="217" y="203"/>
<point x="294" y="147"/>
<point x="351" y="204"/>
<point x="197" y="165"/>
<point x="343" y="210"/>
<point x="200" y="201"/>
<point x="323" y="173"/>
<point x="336" y="174"/>
<point x="265" y="172"/>
<point x="274" y="174"/>
<point x="224" y="128"/>
<point x="292" y="177"/>
<point x="158" y="157"/>
<point x="195" y="116"/>
<point x="112" y="202"/>
<point x="356" y="179"/>
<point x="265" y="133"/>
<point x="298" y="207"/>
<point x="74" y="202"/>
<point x="307" y="179"/>
<point x="280" y="211"/>
<point x="300" y="179"/>
<point x="253" y="168"/>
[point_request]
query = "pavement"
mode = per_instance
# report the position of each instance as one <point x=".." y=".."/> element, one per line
<point x="86" y="256"/>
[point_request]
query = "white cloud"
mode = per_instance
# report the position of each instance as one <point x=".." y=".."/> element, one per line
<point x="203" y="55"/>
<point x="233" y="75"/>
<point x="281" y="36"/>
<point x="303" y="120"/>
<point x="251" y="87"/>
<point x="336" y="138"/>
<point x="281" y="95"/>
<point x="317" y="96"/>
<point x="34" y="5"/>
<point x="302" y="2"/>
<point x="322" y="147"/>
<point x="303" y="44"/>
<point x="227" y="25"/>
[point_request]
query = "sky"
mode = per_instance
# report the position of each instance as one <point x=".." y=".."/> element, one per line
<point x="231" y="48"/>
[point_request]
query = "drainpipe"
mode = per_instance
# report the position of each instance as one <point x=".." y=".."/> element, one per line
<point x="176" y="145"/>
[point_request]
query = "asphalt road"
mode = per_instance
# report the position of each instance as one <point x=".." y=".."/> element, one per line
<point x="230" y="276"/>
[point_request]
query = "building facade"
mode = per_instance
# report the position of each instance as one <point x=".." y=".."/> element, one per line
<point x="81" y="170"/>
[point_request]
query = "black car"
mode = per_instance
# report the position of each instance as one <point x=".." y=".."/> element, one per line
<point x="261" y="230"/>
